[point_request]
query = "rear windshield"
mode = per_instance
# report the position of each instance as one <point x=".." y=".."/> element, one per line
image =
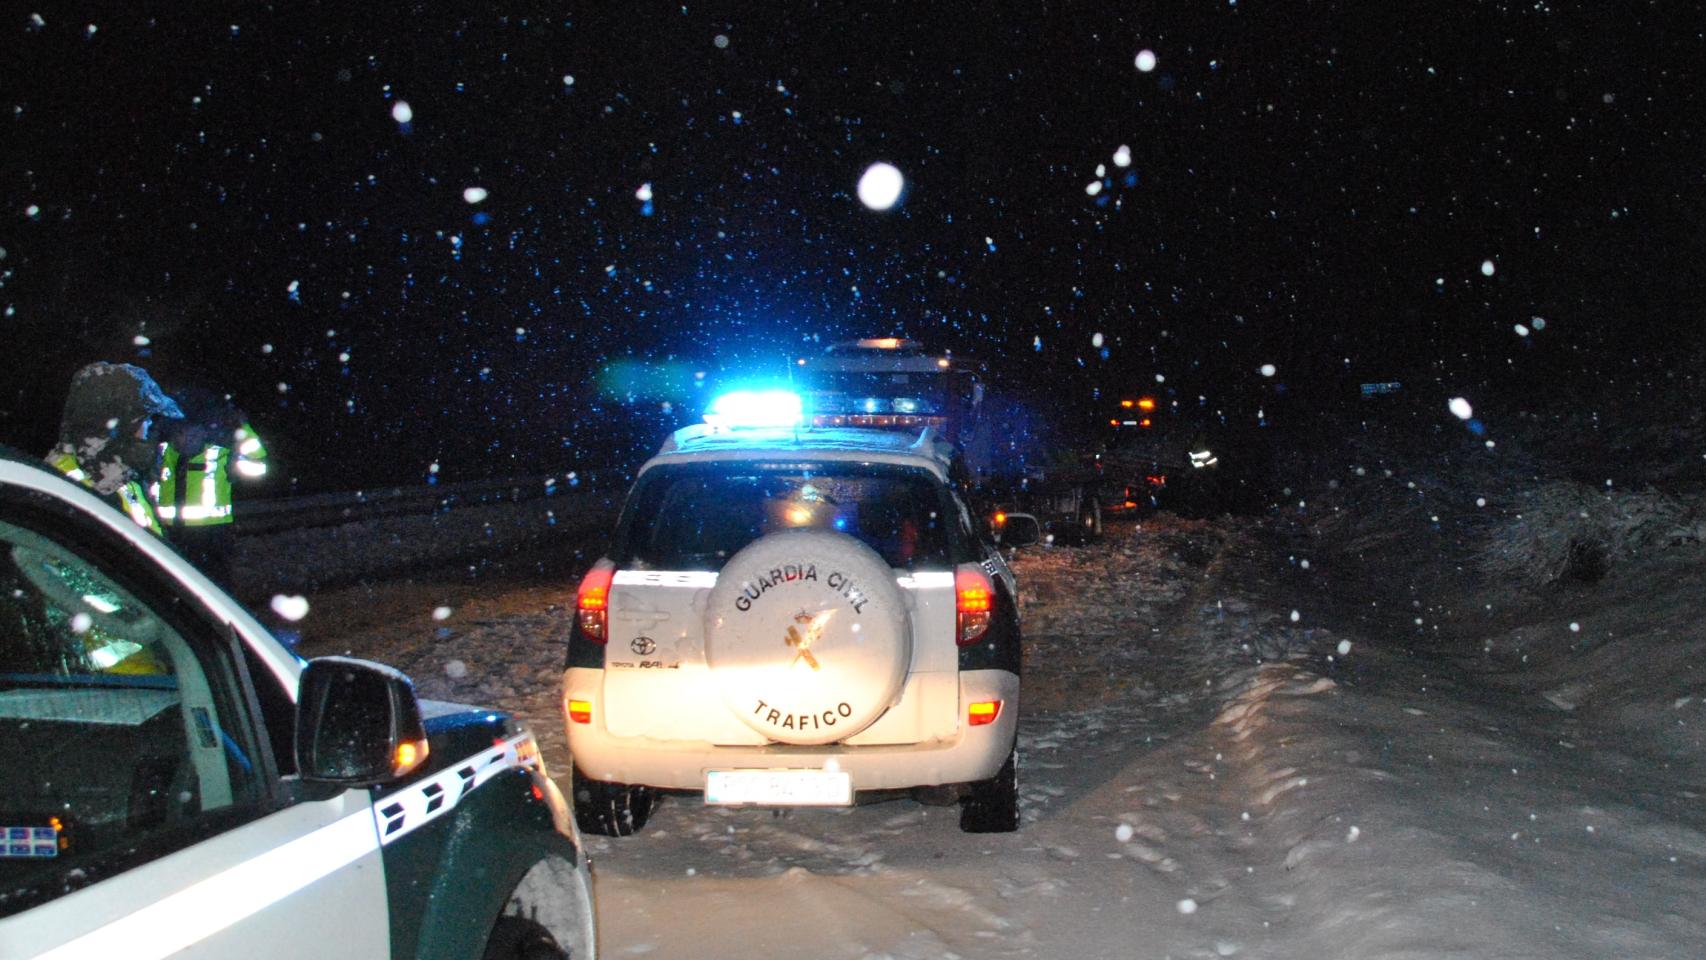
<point x="696" y="516"/>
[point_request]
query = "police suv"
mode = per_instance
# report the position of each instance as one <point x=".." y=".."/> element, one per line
<point x="795" y="616"/>
<point x="174" y="782"/>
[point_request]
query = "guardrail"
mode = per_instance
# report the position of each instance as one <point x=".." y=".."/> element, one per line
<point x="332" y="509"/>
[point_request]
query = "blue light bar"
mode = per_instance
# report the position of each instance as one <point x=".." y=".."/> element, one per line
<point x="756" y="408"/>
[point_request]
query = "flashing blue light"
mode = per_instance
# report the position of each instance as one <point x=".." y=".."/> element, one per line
<point x="756" y="408"/>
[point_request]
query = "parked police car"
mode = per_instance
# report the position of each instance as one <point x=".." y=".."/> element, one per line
<point x="174" y="782"/>
<point x="794" y="616"/>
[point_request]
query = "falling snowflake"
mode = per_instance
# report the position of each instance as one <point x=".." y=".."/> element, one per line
<point x="474" y="194"/>
<point x="402" y="112"/>
<point x="1145" y="61"/>
<point x="1461" y="409"/>
<point x="291" y="607"/>
<point x="880" y="186"/>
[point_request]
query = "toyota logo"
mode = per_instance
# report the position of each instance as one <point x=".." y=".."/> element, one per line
<point x="643" y="646"/>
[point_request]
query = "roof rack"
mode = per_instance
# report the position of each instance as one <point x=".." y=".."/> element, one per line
<point x="933" y="443"/>
<point x="703" y="437"/>
<point x="685" y="435"/>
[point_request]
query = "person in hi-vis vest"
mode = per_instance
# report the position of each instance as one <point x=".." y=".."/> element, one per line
<point x="192" y="493"/>
<point x="109" y="435"/>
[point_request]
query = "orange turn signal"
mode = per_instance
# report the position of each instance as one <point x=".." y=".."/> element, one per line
<point x="410" y="754"/>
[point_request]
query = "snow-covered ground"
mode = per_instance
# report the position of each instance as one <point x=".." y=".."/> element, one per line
<point x="1303" y="736"/>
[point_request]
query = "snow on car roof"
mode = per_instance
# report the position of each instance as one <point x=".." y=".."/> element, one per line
<point x="926" y="448"/>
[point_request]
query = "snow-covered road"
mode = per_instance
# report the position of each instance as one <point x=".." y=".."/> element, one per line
<point x="1220" y="757"/>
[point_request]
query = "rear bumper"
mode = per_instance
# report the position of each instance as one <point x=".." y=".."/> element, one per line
<point x="973" y="753"/>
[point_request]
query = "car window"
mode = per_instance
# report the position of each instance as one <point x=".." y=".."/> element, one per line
<point x="970" y="532"/>
<point x="695" y="517"/>
<point x="278" y="711"/>
<point x="121" y="737"/>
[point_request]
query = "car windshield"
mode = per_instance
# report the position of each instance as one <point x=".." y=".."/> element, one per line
<point x="694" y="517"/>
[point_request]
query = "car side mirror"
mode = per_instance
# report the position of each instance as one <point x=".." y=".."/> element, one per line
<point x="1020" y="530"/>
<point x="358" y="724"/>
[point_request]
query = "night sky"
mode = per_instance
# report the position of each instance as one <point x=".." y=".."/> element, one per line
<point x="1347" y="195"/>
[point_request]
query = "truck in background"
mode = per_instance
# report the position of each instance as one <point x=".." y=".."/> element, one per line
<point x="1013" y="459"/>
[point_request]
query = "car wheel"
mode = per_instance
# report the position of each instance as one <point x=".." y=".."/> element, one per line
<point x="992" y="806"/>
<point x="1091" y="519"/>
<point x="611" y="809"/>
<point x="519" y="938"/>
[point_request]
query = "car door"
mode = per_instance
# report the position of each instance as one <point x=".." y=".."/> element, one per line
<point x="142" y="812"/>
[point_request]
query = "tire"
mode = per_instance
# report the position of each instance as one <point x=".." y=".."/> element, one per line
<point x="518" y="938"/>
<point x="807" y="636"/>
<point x="1090" y="519"/>
<point x="611" y="809"/>
<point x="992" y="806"/>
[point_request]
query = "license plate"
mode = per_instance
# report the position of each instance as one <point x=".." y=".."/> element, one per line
<point x="779" y="788"/>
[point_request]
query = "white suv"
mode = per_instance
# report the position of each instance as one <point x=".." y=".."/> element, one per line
<point x="795" y="617"/>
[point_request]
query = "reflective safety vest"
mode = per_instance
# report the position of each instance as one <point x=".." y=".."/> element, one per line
<point x="196" y="491"/>
<point x="251" y="453"/>
<point x="131" y="497"/>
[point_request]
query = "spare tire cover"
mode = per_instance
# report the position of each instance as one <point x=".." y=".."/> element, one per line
<point x="806" y="635"/>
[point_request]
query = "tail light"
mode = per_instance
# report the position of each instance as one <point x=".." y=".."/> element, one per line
<point x="592" y="601"/>
<point x="982" y="712"/>
<point x="974" y="603"/>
